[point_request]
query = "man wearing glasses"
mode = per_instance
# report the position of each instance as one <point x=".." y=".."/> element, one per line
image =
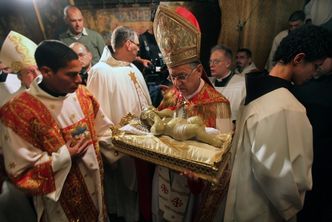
<point x="85" y="57"/>
<point x="121" y="89"/>
<point x="223" y="78"/>
<point x="192" y="94"/>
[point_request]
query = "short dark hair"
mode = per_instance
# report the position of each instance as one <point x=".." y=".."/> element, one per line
<point x="297" y="15"/>
<point x="54" y="54"/>
<point x="220" y="47"/>
<point x="246" y="51"/>
<point x="311" y="40"/>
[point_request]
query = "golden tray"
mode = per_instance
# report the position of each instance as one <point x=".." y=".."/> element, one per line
<point x="206" y="161"/>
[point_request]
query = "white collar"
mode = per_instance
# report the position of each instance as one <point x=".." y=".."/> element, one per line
<point x="116" y="63"/>
<point x="35" y="90"/>
<point x="224" y="77"/>
<point x="78" y="36"/>
<point x="201" y="84"/>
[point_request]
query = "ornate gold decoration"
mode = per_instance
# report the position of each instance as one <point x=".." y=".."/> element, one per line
<point x="18" y="51"/>
<point x="72" y="117"/>
<point x="36" y="125"/>
<point x="133" y="77"/>
<point x="176" y="155"/>
<point x="179" y="41"/>
<point x="12" y="165"/>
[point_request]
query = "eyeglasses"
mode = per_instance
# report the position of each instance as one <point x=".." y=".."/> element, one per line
<point x="137" y="44"/>
<point x="182" y="76"/>
<point x="215" y="62"/>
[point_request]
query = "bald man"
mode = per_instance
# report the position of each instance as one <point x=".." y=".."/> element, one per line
<point x="85" y="57"/>
<point x="78" y="33"/>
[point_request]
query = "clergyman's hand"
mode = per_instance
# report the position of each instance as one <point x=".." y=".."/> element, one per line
<point x="163" y="89"/>
<point x="146" y="63"/>
<point x="78" y="148"/>
<point x="195" y="184"/>
<point x="190" y="175"/>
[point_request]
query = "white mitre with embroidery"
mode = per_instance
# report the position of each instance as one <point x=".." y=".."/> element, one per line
<point x="17" y="52"/>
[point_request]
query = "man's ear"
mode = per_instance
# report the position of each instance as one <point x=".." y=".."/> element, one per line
<point x="127" y="44"/>
<point x="228" y="63"/>
<point x="46" y="71"/>
<point x="200" y="69"/>
<point x="19" y="75"/>
<point x="299" y="58"/>
<point x="90" y="56"/>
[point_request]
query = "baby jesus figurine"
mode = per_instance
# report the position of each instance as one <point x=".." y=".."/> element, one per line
<point x="163" y="123"/>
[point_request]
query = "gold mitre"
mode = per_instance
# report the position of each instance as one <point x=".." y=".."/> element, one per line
<point x="17" y="52"/>
<point x="178" y="39"/>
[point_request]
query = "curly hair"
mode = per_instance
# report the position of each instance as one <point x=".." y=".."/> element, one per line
<point x="311" y="40"/>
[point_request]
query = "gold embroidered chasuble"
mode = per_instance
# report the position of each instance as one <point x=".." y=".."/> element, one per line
<point x="208" y="104"/>
<point x="33" y="122"/>
<point x="175" y="193"/>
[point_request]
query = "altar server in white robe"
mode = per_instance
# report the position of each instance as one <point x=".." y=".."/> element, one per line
<point x="273" y="139"/>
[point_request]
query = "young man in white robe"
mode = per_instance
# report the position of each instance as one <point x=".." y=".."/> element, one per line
<point x="272" y="146"/>
<point x="50" y="138"/>
<point x="244" y="63"/>
<point x="121" y="89"/>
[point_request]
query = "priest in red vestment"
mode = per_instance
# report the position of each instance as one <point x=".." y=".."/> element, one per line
<point x="178" y="35"/>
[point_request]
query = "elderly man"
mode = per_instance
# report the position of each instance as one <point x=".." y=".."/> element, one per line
<point x="244" y="63"/>
<point x="116" y="80"/>
<point x="18" y="52"/>
<point x="9" y="83"/>
<point x="225" y="81"/>
<point x="192" y="94"/>
<point x="85" y="57"/>
<point x="19" y="61"/>
<point x="51" y="148"/>
<point x="296" y="19"/>
<point x="78" y="33"/>
<point x="272" y="148"/>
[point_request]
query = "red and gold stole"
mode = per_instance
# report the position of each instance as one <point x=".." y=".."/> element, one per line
<point x="209" y="104"/>
<point x="204" y="104"/>
<point x="30" y="119"/>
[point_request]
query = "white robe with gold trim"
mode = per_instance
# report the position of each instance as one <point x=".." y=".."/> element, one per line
<point x="20" y="155"/>
<point x="120" y="89"/>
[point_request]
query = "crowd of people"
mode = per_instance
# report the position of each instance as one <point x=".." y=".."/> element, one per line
<point x="61" y="98"/>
